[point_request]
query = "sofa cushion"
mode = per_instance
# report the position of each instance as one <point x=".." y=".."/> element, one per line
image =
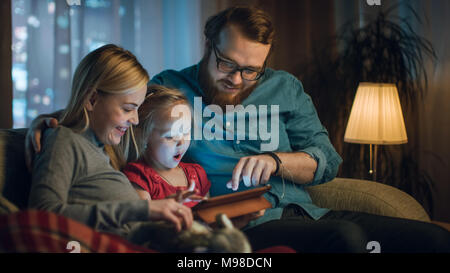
<point x="15" y="180"/>
<point x="367" y="196"/>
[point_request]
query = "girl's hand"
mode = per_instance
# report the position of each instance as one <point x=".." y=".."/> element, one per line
<point x="190" y="194"/>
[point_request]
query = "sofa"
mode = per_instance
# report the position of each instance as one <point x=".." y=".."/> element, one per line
<point x="17" y="224"/>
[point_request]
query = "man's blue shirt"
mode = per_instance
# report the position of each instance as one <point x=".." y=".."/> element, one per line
<point x="277" y="116"/>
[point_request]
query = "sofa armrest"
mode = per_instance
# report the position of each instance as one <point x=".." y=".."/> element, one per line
<point x="15" y="180"/>
<point x="367" y="196"/>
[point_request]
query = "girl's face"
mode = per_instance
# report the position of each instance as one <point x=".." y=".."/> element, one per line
<point x="170" y="140"/>
<point x="111" y="115"/>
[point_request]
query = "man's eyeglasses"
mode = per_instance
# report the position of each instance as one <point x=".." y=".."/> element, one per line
<point x="247" y="73"/>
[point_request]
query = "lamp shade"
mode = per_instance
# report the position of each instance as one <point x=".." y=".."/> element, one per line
<point x="376" y="116"/>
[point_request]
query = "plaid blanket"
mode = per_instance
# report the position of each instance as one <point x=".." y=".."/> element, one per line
<point x="45" y="232"/>
<point x="33" y="231"/>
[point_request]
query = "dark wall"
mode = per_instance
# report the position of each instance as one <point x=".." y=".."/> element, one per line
<point x="5" y="65"/>
<point x="300" y="26"/>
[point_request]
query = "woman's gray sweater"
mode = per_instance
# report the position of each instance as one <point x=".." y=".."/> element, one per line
<point x="72" y="176"/>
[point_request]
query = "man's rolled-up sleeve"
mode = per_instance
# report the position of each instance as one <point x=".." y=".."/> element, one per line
<point x="307" y="134"/>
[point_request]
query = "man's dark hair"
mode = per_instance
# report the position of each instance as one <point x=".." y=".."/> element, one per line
<point x="253" y="23"/>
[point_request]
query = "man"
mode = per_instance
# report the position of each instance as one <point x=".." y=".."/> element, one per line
<point x="232" y="72"/>
<point x="232" y="86"/>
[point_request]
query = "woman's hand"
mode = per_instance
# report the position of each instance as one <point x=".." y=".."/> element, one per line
<point x="171" y="211"/>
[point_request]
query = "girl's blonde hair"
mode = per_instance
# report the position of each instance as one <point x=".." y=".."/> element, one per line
<point x="111" y="70"/>
<point x="156" y="108"/>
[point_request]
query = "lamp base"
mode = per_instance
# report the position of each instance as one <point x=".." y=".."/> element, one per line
<point x="373" y="161"/>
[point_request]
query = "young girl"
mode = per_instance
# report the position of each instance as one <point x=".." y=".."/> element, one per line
<point x="163" y="136"/>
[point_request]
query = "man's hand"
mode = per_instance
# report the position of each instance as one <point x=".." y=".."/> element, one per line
<point x="171" y="211"/>
<point x="241" y="221"/>
<point x="254" y="170"/>
<point x="33" y="138"/>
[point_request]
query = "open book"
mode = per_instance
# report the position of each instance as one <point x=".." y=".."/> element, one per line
<point x="233" y="204"/>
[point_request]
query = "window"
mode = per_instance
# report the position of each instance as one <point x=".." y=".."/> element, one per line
<point x="50" y="37"/>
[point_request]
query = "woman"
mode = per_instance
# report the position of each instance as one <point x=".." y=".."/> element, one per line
<point x="72" y="175"/>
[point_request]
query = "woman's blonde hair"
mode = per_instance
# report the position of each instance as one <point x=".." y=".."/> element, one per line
<point x="109" y="69"/>
<point x="156" y="108"/>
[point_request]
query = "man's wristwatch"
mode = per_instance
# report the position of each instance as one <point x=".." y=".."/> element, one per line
<point x="277" y="160"/>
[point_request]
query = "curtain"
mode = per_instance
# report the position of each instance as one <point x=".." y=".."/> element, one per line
<point x="5" y="65"/>
<point x="434" y="121"/>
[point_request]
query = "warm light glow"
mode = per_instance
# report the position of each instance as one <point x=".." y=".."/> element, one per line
<point x="376" y="116"/>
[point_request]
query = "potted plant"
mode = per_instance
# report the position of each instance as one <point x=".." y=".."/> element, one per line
<point x="385" y="50"/>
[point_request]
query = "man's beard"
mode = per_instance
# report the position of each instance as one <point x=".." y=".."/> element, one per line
<point x="212" y="93"/>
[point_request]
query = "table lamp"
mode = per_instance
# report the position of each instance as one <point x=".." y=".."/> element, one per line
<point x="376" y="119"/>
